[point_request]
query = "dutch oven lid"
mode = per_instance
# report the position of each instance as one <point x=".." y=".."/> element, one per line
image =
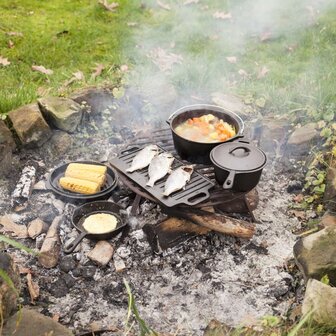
<point x="238" y="156"/>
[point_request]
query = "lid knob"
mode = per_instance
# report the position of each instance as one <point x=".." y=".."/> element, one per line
<point x="240" y="151"/>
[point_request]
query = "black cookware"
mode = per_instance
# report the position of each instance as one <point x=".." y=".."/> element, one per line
<point x="198" y="152"/>
<point x="238" y="165"/>
<point x="82" y="212"/>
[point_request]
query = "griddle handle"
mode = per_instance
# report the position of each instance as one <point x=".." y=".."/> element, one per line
<point x="129" y="150"/>
<point x="202" y="196"/>
<point x="73" y="244"/>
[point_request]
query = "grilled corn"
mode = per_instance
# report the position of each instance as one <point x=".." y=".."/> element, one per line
<point x="87" y="167"/>
<point x="86" y="175"/>
<point x="79" y="186"/>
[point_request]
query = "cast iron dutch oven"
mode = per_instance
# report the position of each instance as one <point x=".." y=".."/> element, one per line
<point x="238" y="165"/>
<point x="198" y="152"/>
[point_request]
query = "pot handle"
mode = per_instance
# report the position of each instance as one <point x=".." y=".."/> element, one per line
<point x="168" y="121"/>
<point x="73" y="244"/>
<point x="229" y="180"/>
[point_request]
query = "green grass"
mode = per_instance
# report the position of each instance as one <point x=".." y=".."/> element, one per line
<point x="65" y="36"/>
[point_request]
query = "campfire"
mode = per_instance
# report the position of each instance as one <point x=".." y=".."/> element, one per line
<point x="202" y="244"/>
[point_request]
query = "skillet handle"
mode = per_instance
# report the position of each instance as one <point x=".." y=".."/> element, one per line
<point x="229" y="180"/>
<point x="73" y="244"/>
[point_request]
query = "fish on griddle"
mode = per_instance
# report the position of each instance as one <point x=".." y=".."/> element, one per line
<point x="178" y="179"/>
<point x="143" y="158"/>
<point x="159" y="167"/>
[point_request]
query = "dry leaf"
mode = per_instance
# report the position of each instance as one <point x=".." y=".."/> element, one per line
<point x="243" y="73"/>
<point x="8" y="225"/>
<point x="132" y="24"/>
<point x="56" y="317"/>
<point x="10" y="44"/>
<point x="4" y="61"/>
<point x="298" y="198"/>
<point x="188" y="2"/>
<point x="163" y="5"/>
<point x="299" y="214"/>
<point x="14" y="34"/>
<point x="76" y="76"/>
<point x="23" y="270"/>
<point x="263" y="72"/>
<point x="34" y="289"/>
<point x="222" y="15"/>
<point x="231" y="59"/>
<point x="163" y="59"/>
<point x="43" y="91"/>
<point x="124" y="68"/>
<point x="42" y="69"/>
<point x="97" y="71"/>
<point x="110" y="7"/>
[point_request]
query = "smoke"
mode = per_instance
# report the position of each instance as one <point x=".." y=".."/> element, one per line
<point x="190" y="49"/>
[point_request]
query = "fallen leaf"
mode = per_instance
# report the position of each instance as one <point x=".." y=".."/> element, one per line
<point x="34" y="289"/>
<point x="132" y="24"/>
<point x="43" y="91"/>
<point x="231" y="59"/>
<point x="8" y="225"/>
<point x="97" y="71"/>
<point x="242" y="73"/>
<point x="14" y="34"/>
<point x="118" y="92"/>
<point x="10" y="44"/>
<point x="163" y="59"/>
<point x="188" y="2"/>
<point x="298" y="214"/>
<point x="263" y="72"/>
<point x="24" y="270"/>
<point x="222" y="15"/>
<point x="4" y="61"/>
<point x="265" y="36"/>
<point x="56" y="317"/>
<point x="124" y="68"/>
<point x="76" y="76"/>
<point x="163" y="5"/>
<point x="292" y="47"/>
<point x="298" y="198"/>
<point x="260" y="102"/>
<point x="42" y="69"/>
<point x="109" y="6"/>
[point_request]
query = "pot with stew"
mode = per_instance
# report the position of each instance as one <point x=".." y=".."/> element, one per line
<point x="197" y="129"/>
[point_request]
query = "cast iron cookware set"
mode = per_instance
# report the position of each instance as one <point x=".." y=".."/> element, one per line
<point x="237" y="164"/>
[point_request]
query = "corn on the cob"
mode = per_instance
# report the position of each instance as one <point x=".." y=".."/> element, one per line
<point x="79" y="186"/>
<point x="86" y="175"/>
<point x="88" y="167"/>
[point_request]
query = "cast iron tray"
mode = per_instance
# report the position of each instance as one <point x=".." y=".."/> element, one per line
<point x="54" y="177"/>
<point x="196" y="190"/>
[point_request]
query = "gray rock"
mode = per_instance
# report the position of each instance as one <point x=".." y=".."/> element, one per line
<point x="328" y="220"/>
<point x="62" y="113"/>
<point x="33" y="323"/>
<point x="303" y="136"/>
<point x="59" y="144"/>
<point x="315" y="255"/>
<point x="67" y="264"/>
<point x="88" y="272"/>
<point x="8" y="298"/>
<point x="30" y="126"/>
<point x="320" y="299"/>
<point x="7" y="145"/>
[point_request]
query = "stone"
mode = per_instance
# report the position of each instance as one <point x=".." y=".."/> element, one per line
<point x="119" y="264"/>
<point x="230" y="102"/>
<point x="58" y="288"/>
<point x="102" y="253"/>
<point x="6" y="136"/>
<point x="62" y="113"/>
<point x="98" y="99"/>
<point x="7" y="145"/>
<point x="88" y="272"/>
<point x="28" y="322"/>
<point x="59" y="144"/>
<point x="30" y="126"/>
<point x="68" y="280"/>
<point x="315" y="255"/>
<point x="303" y="136"/>
<point x="8" y="298"/>
<point x="328" y="220"/>
<point x="67" y="264"/>
<point x="320" y="299"/>
<point x="329" y="196"/>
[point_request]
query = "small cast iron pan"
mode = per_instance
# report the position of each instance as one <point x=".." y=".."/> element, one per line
<point x="69" y="196"/>
<point x="85" y="210"/>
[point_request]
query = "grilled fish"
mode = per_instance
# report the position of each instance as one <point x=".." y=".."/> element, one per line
<point x="178" y="179"/>
<point x="159" y="167"/>
<point x="143" y="158"/>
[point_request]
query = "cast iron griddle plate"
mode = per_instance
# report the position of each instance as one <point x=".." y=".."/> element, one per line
<point x="196" y="190"/>
<point x="57" y="173"/>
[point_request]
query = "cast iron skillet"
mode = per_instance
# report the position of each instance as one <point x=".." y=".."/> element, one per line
<point x="69" y="196"/>
<point x="82" y="212"/>
<point x="199" y="152"/>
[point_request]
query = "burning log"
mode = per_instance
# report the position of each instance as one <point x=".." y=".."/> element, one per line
<point x="50" y="249"/>
<point x="217" y="222"/>
<point x="37" y="227"/>
<point x="24" y="187"/>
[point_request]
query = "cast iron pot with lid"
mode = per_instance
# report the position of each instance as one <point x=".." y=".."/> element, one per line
<point x="198" y="152"/>
<point x="238" y="165"/>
